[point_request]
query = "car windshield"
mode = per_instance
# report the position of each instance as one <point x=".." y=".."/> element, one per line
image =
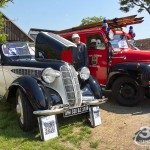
<point x="119" y="41"/>
<point x="16" y="49"/>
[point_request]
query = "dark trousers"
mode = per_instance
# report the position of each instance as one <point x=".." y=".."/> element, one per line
<point x="78" y="65"/>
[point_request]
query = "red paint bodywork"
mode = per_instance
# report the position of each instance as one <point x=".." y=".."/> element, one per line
<point x="100" y="69"/>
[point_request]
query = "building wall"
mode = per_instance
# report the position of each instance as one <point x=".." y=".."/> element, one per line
<point x="14" y="32"/>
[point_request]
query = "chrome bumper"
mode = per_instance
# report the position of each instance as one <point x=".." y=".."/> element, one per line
<point x="50" y="112"/>
<point x="94" y="102"/>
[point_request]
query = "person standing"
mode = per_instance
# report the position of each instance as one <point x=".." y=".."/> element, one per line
<point x="80" y="54"/>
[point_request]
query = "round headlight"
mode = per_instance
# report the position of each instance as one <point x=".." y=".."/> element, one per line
<point x="49" y="75"/>
<point x="84" y="73"/>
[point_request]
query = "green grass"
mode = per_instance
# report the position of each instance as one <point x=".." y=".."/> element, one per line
<point x="73" y="130"/>
<point x="94" y="144"/>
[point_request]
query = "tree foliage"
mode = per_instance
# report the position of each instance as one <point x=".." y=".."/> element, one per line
<point x="3" y="36"/>
<point x="4" y="2"/>
<point x="90" y="20"/>
<point x="127" y="5"/>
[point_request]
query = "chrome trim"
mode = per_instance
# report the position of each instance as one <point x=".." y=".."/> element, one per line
<point x="49" y="112"/>
<point x="95" y="101"/>
<point x="124" y="57"/>
<point x="75" y="78"/>
<point x="68" y="72"/>
<point x="23" y="71"/>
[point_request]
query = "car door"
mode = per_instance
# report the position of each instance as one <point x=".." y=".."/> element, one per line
<point x="2" y="81"/>
<point x="98" y="57"/>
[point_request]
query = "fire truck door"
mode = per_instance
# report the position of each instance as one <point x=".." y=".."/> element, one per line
<point x="97" y="57"/>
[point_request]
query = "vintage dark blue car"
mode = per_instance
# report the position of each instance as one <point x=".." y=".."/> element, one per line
<point x="41" y="86"/>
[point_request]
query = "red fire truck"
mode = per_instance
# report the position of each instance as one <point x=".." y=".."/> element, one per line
<point x="114" y="60"/>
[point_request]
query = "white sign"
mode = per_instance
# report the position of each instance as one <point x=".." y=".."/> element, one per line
<point x="123" y="44"/>
<point x="48" y="127"/>
<point x="95" y="116"/>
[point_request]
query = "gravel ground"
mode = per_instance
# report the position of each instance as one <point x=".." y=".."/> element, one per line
<point x="120" y="125"/>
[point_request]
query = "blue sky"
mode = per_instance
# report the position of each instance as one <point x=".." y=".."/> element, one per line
<point x="62" y="14"/>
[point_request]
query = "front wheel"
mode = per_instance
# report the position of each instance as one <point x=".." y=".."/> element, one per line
<point x="24" y="110"/>
<point x="127" y="91"/>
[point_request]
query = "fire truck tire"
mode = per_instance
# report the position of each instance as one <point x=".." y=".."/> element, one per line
<point x="24" y="110"/>
<point x="126" y="91"/>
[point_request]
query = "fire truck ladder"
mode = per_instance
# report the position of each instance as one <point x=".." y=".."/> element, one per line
<point x="114" y="23"/>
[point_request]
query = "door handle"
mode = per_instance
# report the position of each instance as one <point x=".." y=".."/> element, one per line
<point x="124" y="57"/>
<point x="95" y="55"/>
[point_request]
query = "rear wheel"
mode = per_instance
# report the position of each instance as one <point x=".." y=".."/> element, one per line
<point x="127" y="91"/>
<point x="24" y="110"/>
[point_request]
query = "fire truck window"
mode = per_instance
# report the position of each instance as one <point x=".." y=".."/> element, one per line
<point x="119" y="41"/>
<point x="95" y="42"/>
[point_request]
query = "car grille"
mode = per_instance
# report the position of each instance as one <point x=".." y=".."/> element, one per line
<point x="71" y="85"/>
<point x="30" y="72"/>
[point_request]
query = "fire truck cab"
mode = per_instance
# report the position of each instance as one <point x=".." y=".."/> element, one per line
<point x="116" y="63"/>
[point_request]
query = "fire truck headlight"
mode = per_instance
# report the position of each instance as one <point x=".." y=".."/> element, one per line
<point x="49" y="75"/>
<point x="84" y="73"/>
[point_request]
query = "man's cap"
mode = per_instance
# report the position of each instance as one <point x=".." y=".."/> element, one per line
<point x="93" y="40"/>
<point x="75" y="36"/>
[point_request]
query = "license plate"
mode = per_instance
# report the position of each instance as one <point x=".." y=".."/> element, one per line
<point x="76" y="111"/>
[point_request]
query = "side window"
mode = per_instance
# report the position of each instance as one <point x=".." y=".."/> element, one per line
<point x="95" y="42"/>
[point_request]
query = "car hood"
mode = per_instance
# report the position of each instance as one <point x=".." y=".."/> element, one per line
<point x="38" y="64"/>
<point x="51" y="46"/>
<point x="136" y="55"/>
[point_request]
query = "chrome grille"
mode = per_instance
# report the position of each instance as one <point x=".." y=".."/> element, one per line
<point x="30" y="72"/>
<point x="71" y="85"/>
<point x="77" y="85"/>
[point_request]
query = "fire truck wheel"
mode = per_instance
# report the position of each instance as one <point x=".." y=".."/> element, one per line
<point x="127" y="91"/>
<point x="24" y="110"/>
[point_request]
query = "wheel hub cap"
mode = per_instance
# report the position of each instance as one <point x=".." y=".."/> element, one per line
<point x="127" y="91"/>
<point x="19" y="109"/>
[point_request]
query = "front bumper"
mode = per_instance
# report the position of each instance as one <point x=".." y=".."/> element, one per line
<point x="94" y="102"/>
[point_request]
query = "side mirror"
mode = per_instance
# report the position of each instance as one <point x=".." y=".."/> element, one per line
<point x="110" y="34"/>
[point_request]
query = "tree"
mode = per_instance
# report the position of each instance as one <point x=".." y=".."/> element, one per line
<point x="3" y="36"/>
<point x="4" y="2"/>
<point x="90" y="20"/>
<point x="127" y="5"/>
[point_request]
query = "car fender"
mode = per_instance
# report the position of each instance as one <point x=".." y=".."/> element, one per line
<point x="95" y="87"/>
<point x="32" y="89"/>
<point x="91" y="85"/>
<point x="138" y="71"/>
